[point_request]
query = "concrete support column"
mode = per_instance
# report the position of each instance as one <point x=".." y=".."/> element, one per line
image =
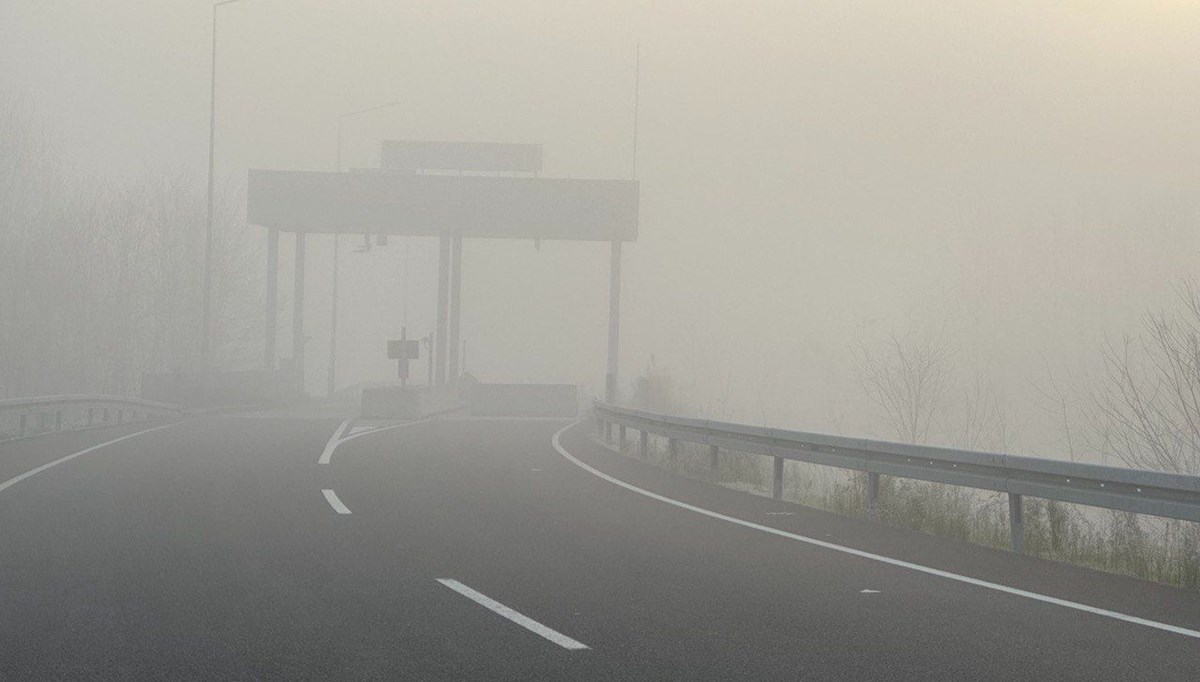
<point x="298" y="314"/>
<point x="443" y="294"/>
<point x="456" y="247"/>
<point x="272" y="312"/>
<point x="614" y="321"/>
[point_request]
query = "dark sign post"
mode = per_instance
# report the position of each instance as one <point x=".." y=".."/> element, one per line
<point x="402" y="351"/>
<point x="428" y="341"/>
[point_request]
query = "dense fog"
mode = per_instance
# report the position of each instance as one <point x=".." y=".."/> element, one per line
<point x="1003" y="191"/>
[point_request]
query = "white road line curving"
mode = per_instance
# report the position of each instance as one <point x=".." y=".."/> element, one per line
<point x="520" y="619"/>
<point x="37" y="470"/>
<point x="332" y="498"/>
<point x="1115" y="615"/>
<point x="338" y="436"/>
<point x="334" y="440"/>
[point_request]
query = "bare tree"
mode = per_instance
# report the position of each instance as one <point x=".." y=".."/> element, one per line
<point x="1061" y="405"/>
<point x="982" y="421"/>
<point x="908" y="380"/>
<point x="1148" y="404"/>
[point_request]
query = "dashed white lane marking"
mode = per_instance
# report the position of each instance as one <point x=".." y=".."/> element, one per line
<point x="332" y="498"/>
<point x="1046" y="599"/>
<point x="339" y="436"/>
<point x="520" y="619"/>
<point x="868" y="591"/>
<point x="37" y="470"/>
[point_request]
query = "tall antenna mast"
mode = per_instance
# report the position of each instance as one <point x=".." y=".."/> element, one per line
<point x="637" y="86"/>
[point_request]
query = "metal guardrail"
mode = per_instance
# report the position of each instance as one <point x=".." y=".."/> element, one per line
<point x="1175" y="496"/>
<point x="21" y="417"/>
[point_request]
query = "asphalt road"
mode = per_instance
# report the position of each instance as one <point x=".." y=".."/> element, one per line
<point x="222" y="548"/>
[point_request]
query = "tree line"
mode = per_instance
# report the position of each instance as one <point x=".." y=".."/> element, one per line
<point x="101" y="280"/>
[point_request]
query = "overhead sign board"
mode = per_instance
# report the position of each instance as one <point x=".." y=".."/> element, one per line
<point x="471" y="206"/>
<point x="413" y="155"/>
<point x="404" y="349"/>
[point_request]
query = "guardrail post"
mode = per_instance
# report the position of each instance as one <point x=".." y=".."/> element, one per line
<point x="672" y="448"/>
<point x="106" y="415"/>
<point x="91" y="415"/>
<point x="57" y="421"/>
<point x="1016" y="522"/>
<point x="607" y="431"/>
<point x="644" y="444"/>
<point x="714" y="454"/>
<point x="777" y="480"/>
<point x="872" y="496"/>
<point x="599" y="425"/>
<point x="621" y="435"/>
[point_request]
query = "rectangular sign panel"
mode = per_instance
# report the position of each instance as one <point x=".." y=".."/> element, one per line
<point x="471" y="206"/>
<point x="460" y="156"/>
<point x="404" y="349"/>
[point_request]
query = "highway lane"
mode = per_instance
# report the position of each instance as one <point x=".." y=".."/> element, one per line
<point x="209" y="550"/>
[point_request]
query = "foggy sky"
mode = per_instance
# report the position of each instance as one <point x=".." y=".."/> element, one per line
<point x="1017" y="177"/>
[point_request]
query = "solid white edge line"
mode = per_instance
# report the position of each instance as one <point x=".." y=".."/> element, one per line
<point x="335" y="441"/>
<point x="37" y="470"/>
<point x="332" y="498"/>
<point x="518" y="618"/>
<point x="874" y="557"/>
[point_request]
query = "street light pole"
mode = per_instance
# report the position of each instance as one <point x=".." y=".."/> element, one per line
<point x="331" y="381"/>
<point x="206" y="324"/>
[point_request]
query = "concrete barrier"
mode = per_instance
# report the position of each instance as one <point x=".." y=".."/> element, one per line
<point x="522" y="400"/>
<point x="394" y="402"/>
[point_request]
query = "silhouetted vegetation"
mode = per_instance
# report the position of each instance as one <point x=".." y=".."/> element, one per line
<point x="101" y="281"/>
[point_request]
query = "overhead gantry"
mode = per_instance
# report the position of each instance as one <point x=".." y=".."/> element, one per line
<point x="448" y="190"/>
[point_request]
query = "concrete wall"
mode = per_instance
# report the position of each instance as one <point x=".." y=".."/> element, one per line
<point x="393" y="402"/>
<point x="522" y="400"/>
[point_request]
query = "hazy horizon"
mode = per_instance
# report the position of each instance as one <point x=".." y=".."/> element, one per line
<point x="1016" y="179"/>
